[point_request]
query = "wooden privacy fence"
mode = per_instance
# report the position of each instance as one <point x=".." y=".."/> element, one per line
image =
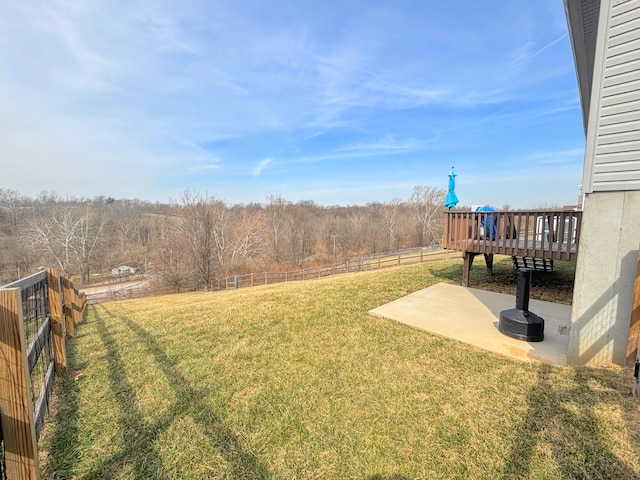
<point x="38" y="314"/>
<point x="633" y="343"/>
<point x="3" y="470"/>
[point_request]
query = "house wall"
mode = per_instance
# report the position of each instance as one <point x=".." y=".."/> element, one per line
<point x="610" y="234"/>
<point x="612" y="155"/>
<point x="605" y="276"/>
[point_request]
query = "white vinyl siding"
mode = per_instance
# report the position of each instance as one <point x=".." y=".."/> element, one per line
<point x="615" y="132"/>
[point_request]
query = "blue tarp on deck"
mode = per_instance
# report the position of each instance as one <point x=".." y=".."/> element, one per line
<point x="491" y="227"/>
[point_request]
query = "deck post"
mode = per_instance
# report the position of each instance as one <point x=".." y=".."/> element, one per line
<point x="488" y="258"/>
<point x="468" y="262"/>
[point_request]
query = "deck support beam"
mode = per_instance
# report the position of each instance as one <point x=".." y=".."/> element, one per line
<point x="468" y="262"/>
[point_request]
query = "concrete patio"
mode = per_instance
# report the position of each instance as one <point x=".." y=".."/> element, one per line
<point x="471" y="316"/>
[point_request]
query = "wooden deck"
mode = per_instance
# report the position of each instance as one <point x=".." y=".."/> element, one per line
<point x="551" y="235"/>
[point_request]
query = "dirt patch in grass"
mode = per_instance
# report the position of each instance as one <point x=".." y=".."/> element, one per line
<point x="556" y="286"/>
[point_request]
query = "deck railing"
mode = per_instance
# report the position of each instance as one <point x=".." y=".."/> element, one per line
<point x="552" y="234"/>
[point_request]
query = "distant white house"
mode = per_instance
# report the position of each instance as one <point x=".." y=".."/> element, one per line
<point x="124" y="269"/>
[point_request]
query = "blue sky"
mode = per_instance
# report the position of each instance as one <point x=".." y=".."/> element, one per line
<point x="339" y="102"/>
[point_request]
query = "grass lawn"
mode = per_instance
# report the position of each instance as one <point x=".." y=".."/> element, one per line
<point x="297" y="381"/>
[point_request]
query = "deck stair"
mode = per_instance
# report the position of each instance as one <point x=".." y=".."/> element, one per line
<point x="535" y="264"/>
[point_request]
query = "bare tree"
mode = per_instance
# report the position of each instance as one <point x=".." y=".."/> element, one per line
<point x="17" y="258"/>
<point x="221" y="234"/>
<point x="276" y="214"/>
<point x="354" y="230"/>
<point x="375" y="228"/>
<point x="299" y="231"/>
<point x="54" y="233"/>
<point x="68" y="236"/>
<point x="11" y="204"/>
<point x="90" y="236"/>
<point x="427" y="204"/>
<point x="248" y="240"/>
<point x="173" y="260"/>
<point x="391" y="213"/>
<point x="203" y="225"/>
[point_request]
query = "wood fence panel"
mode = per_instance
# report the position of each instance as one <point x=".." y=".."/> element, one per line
<point x="634" y="327"/>
<point x="57" y="321"/>
<point x="16" y="405"/>
<point x="69" y="297"/>
<point x="77" y="312"/>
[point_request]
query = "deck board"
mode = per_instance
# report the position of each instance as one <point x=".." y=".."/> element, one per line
<point x="520" y="248"/>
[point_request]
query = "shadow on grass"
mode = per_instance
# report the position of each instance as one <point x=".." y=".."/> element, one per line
<point x="395" y="476"/>
<point x="242" y="464"/>
<point x="139" y="438"/>
<point x="564" y="420"/>
<point x="62" y="459"/>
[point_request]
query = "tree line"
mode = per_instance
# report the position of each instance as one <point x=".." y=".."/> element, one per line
<point x="198" y="237"/>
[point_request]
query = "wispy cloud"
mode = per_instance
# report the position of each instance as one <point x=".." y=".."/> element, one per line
<point x="548" y="45"/>
<point x="385" y="144"/>
<point x="528" y="51"/>
<point x="261" y="166"/>
<point x="163" y="27"/>
<point x="574" y="155"/>
<point x="200" y="168"/>
<point x="346" y="154"/>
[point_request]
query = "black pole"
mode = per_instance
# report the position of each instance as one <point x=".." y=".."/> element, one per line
<point x="519" y="322"/>
<point x="523" y="289"/>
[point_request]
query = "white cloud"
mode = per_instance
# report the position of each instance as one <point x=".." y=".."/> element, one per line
<point x="261" y="166"/>
<point x="385" y="144"/>
<point x="530" y="52"/>
<point x="574" y="155"/>
<point x="200" y="168"/>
